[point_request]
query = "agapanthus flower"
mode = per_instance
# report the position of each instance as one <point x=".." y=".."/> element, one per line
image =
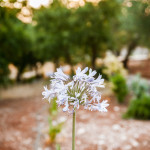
<point x="81" y="89"/>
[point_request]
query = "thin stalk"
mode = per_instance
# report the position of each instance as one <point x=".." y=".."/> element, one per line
<point x="73" y="130"/>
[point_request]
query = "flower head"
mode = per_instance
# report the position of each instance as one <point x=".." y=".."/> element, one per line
<point x="76" y="91"/>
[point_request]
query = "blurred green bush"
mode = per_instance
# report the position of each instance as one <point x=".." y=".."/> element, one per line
<point x="139" y="87"/>
<point x="119" y="87"/>
<point x="139" y="108"/>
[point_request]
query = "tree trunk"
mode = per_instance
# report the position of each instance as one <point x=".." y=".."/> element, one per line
<point x="18" y="76"/>
<point x="20" y="70"/>
<point x="131" y="47"/>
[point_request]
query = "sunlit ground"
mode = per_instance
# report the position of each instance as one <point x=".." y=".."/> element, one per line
<point x="24" y="123"/>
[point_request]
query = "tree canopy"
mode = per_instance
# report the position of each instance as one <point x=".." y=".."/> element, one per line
<point x="71" y="35"/>
<point x="15" y="40"/>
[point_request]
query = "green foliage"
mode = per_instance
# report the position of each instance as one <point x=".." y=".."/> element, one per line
<point x="69" y="35"/>
<point x="4" y="71"/>
<point x="58" y="147"/>
<point x="53" y="108"/>
<point x="94" y="27"/>
<point x="139" y="87"/>
<point x="132" y="27"/>
<point x="136" y="22"/>
<point x="77" y="35"/>
<point x="119" y="87"/>
<point x="16" y="40"/>
<point x="54" y="126"/>
<point x="139" y="108"/>
<point x="54" y="26"/>
<point x="5" y="17"/>
<point x="54" y="129"/>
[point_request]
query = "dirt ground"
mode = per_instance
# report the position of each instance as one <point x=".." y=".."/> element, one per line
<point x="24" y="124"/>
<point x="142" y="67"/>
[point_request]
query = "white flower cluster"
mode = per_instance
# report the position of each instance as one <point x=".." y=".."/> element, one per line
<point x="80" y="90"/>
<point x="113" y="65"/>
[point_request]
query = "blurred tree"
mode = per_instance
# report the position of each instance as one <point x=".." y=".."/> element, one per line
<point x="75" y="33"/>
<point x="4" y="71"/>
<point x="54" y="25"/>
<point x="94" y="27"/>
<point x="134" y="26"/>
<point x="4" y="61"/>
<point x="15" y="40"/>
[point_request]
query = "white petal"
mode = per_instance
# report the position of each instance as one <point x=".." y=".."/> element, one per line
<point x="85" y="70"/>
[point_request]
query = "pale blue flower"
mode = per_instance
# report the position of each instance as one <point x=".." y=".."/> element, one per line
<point x="48" y="94"/>
<point x="80" y="90"/>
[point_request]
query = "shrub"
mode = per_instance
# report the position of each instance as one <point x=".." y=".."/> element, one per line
<point x="113" y="66"/>
<point x="139" y="108"/>
<point x="119" y="87"/>
<point x="139" y="87"/>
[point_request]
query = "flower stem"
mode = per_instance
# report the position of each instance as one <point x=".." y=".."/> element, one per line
<point x="73" y="130"/>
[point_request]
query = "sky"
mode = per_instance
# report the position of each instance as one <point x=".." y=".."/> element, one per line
<point x="38" y="3"/>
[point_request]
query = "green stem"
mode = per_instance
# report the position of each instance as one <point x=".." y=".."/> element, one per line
<point x="73" y="130"/>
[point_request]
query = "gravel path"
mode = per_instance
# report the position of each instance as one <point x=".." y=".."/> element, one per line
<point x="24" y="126"/>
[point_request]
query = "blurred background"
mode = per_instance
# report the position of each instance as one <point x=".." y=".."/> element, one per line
<point x="110" y="36"/>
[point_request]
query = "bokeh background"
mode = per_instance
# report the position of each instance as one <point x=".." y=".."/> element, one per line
<point x="110" y="36"/>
